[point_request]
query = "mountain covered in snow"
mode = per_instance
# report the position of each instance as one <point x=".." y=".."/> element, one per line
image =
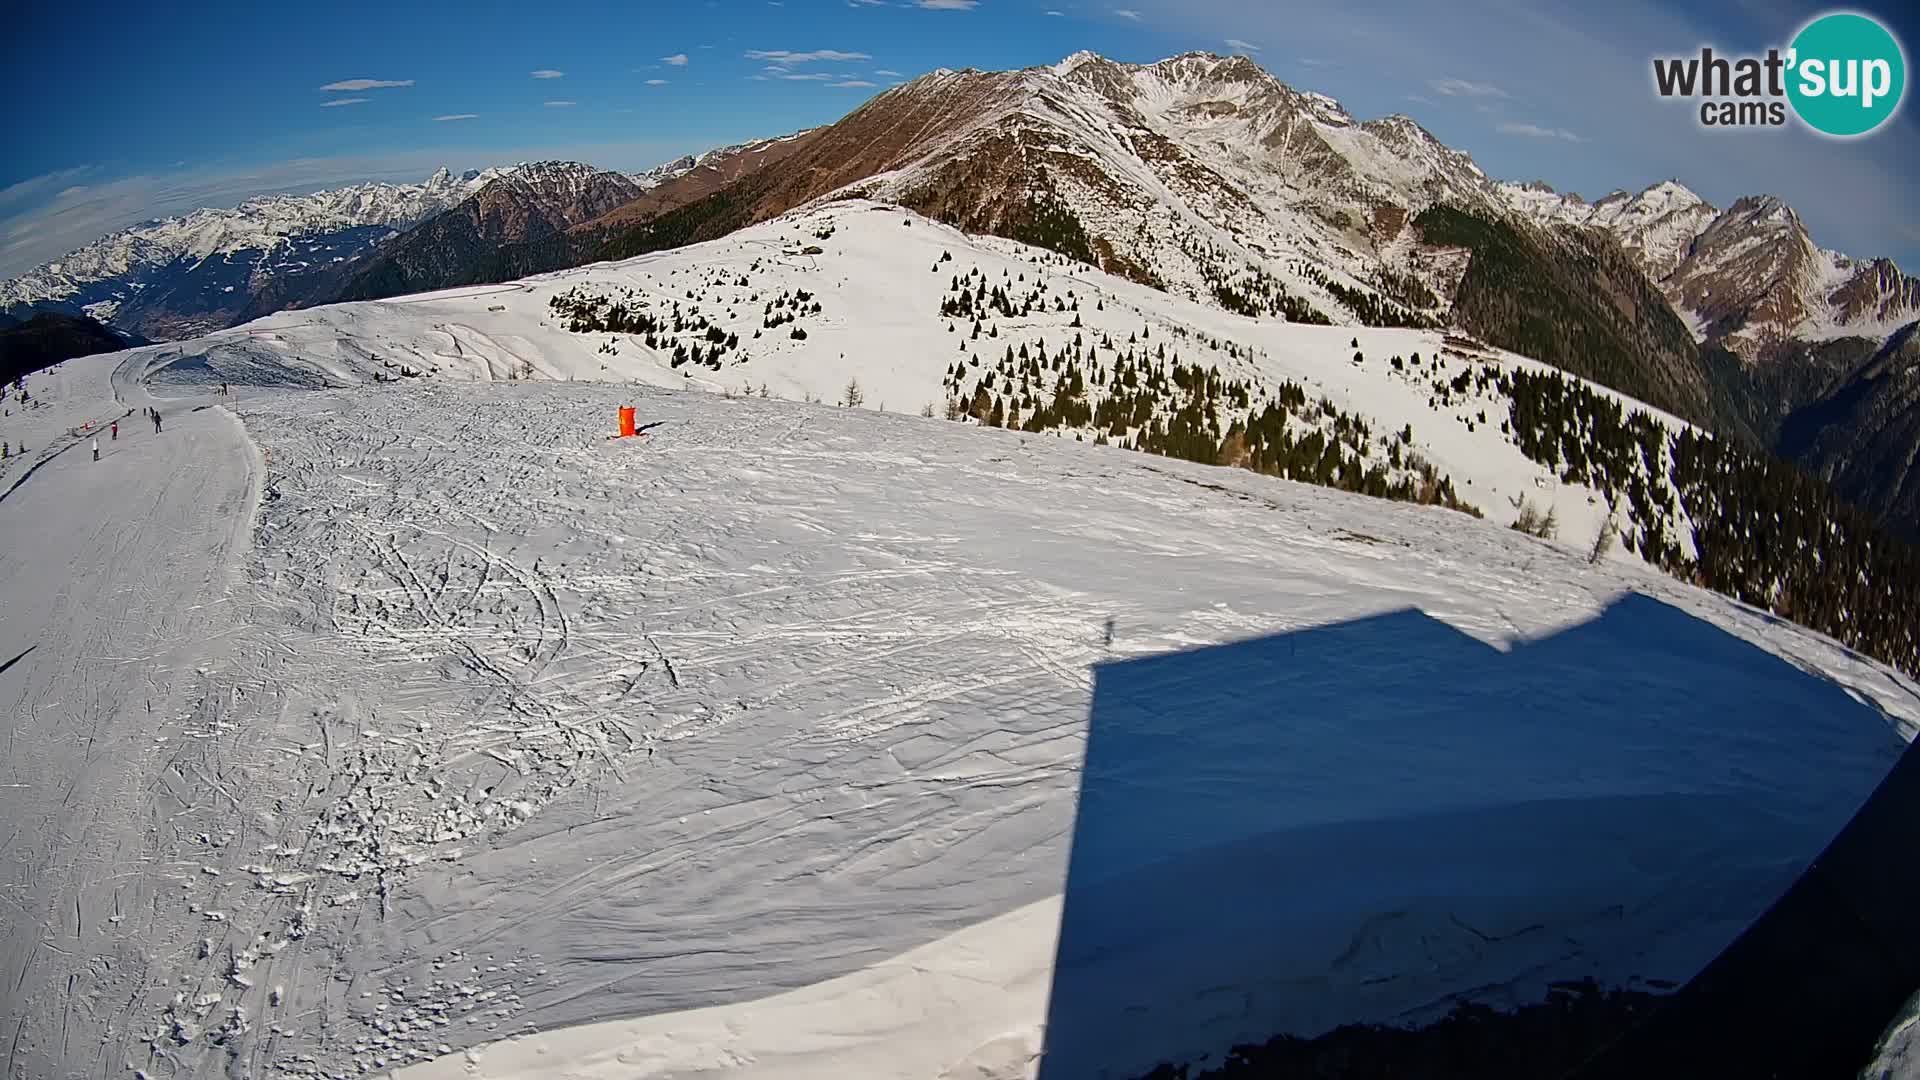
<point x="856" y="299"/>
<point x="528" y="206"/>
<point x="1808" y="348"/>
<point x="1208" y="178"/>
<point x="985" y="665"/>
<point x="1748" y="276"/>
<point x="179" y="276"/>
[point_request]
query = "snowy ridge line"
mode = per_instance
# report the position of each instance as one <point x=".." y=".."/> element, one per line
<point x="870" y="264"/>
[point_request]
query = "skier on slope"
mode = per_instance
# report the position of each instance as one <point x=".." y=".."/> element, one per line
<point x="116" y="431"/>
<point x="156" y="421"/>
<point x="96" y="448"/>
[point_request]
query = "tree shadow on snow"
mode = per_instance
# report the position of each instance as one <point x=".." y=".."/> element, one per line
<point x="1385" y="821"/>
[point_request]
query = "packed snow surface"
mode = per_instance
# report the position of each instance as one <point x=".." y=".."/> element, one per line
<point x="359" y="725"/>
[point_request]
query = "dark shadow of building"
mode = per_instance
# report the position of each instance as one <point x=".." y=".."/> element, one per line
<point x="1373" y="822"/>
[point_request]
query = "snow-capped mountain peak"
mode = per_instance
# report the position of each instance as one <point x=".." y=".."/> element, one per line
<point x="1073" y="63"/>
<point x="326" y="225"/>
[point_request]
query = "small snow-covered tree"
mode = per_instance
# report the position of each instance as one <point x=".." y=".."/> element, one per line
<point x="851" y="397"/>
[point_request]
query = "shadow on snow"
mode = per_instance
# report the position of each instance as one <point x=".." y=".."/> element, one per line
<point x="1378" y="821"/>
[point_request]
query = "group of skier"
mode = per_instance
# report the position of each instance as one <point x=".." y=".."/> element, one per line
<point x="113" y="430"/>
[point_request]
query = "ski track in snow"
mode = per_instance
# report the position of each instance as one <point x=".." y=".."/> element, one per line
<point x="497" y="726"/>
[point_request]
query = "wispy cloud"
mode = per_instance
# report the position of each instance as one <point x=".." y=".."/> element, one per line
<point x="548" y="73"/>
<point x="560" y="104"/>
<point x="1059" y="14"/>
<point x="787" y="57"/>
<point x="656" y="82"/>
<point x="948" y="5"/>
<point x="1127" y="13"/>
<point x="853" y="83"/>
<point x="1464" y="88"/>
<point x="1418" y="98"/>
<point x="366" y="84"/>
<point x="1237" y="45"/>
<point x="1535" y="131"/>
<point x="44" y="184"/>
<point x="458" y="116"/>
<point x="866" y="3"/>
<point x="796" y="76"/>
<point x="676" y="60"/>
<point x="344" y="101"/>
<point x="886" y="73"/>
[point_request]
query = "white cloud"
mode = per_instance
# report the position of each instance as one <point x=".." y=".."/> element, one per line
<point x="948" y="5"/>
<point x="656" y="82"/>
<point x="1535" y="131"/>
<point x="344" y="101"/>
<point x="458" y="116"/>
<point x="676" y="60"/>
<point x="866" y="3"/>
<point x="366" y="84"/>
<point x="1418" y="98"/>
<point x="1237" y="45"/>
<point x="794" y="76"/>
<point x="547" y="73"/>
<point x="787" y="57"/>
<point x="1059" y="14"/>
<point x="560" y="104"/>
<point x="853" y="83"/>
<point x="1127" y="13"/>
<point x="57" y="180"/>
<point x="887" y="73"/>
<point x="1463" y="88"/>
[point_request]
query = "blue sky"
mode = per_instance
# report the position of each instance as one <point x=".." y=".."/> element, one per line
<point x="138" y="110"/>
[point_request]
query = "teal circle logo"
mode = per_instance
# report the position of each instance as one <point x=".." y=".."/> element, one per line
<point x="1847" y="74"/>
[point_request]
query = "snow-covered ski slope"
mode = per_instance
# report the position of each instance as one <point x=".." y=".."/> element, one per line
<point x="879" y="277"/>
<point x="800" y="732"/>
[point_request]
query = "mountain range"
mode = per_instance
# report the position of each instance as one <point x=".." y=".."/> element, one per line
<point x="1201" y="175"/>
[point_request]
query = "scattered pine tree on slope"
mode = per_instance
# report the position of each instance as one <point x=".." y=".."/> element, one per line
<point x="1763" y="532"/>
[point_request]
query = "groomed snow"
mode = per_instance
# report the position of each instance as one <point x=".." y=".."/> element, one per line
<point x="767" y="728"/>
